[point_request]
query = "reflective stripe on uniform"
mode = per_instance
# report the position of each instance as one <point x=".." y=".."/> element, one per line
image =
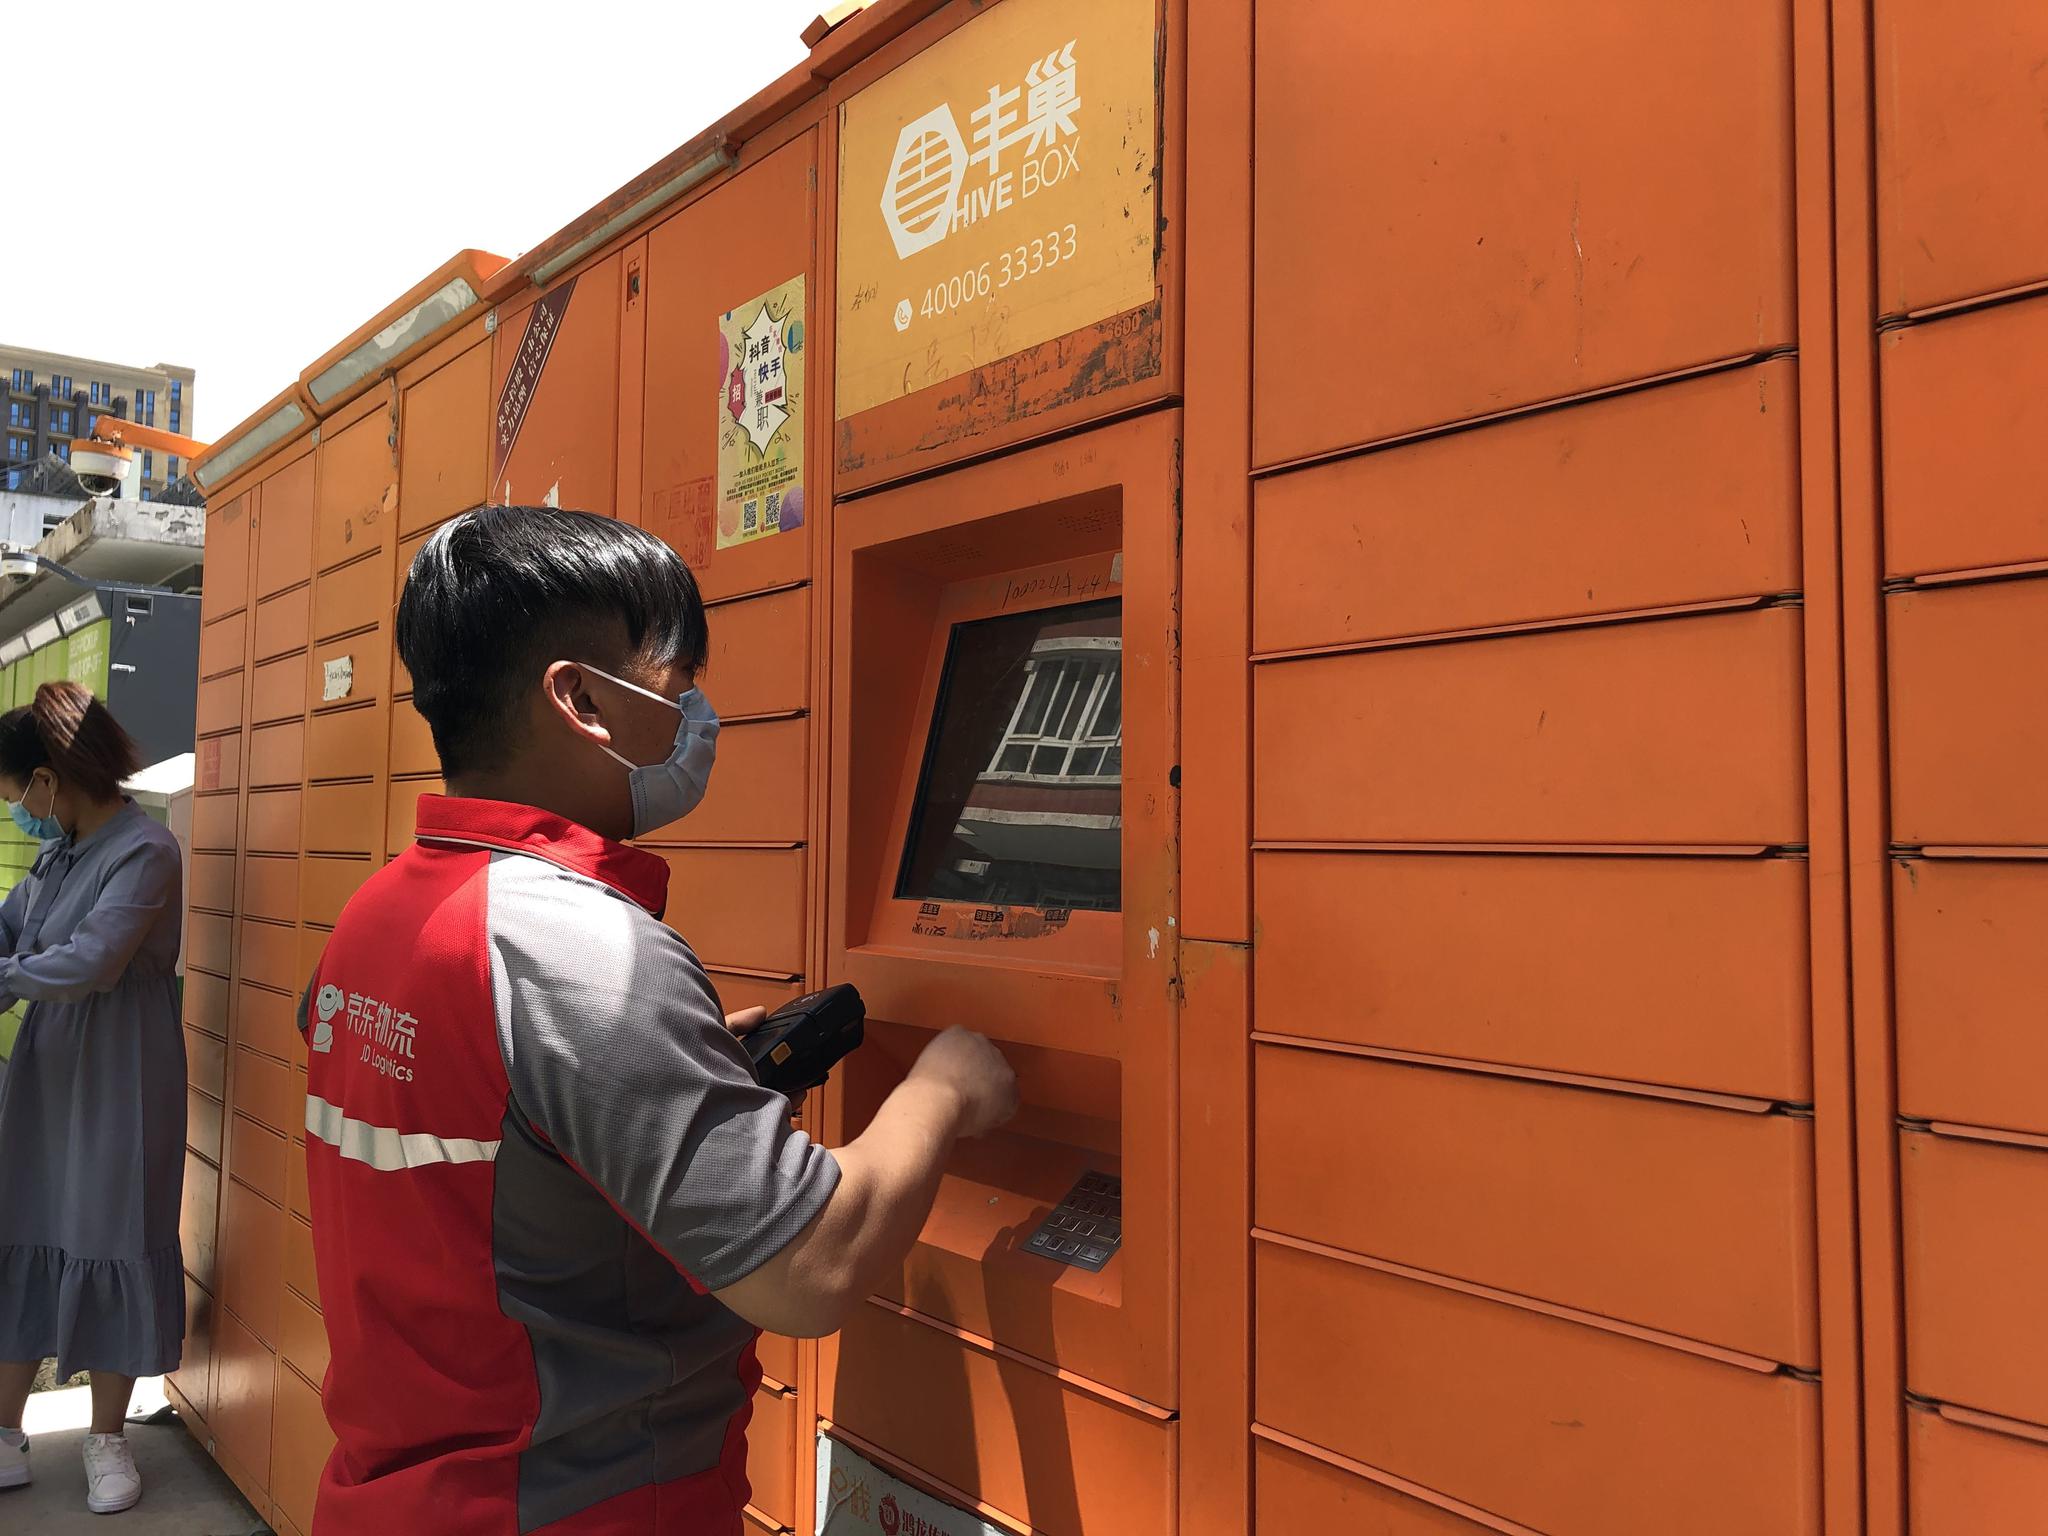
<point x="387" y="1150"/>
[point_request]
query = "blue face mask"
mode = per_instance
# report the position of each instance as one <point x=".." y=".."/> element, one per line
<point x="667" y="791"/>
<point x="42" y="828"/>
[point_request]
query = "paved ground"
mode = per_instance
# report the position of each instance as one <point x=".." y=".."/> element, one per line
<point x="183" y="1492"/>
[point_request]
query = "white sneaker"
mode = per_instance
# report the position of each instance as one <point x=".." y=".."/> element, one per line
<point x="13" y="1459"/>
<point x="111" y="1481"/>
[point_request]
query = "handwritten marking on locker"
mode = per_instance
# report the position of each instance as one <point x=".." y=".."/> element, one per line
<point x="1058" y="586"/>
<point x="338" y="678"/>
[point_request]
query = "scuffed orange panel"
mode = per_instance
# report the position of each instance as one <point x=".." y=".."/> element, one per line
<point x="277" y="755"/>
<point x="277" y="691"/>
<point x="244" y="1390"/>
<point x="210" y="882"/>
<point x="252" y="1249"/>
<point x="283" y="623"/>
<point x="268" y="954"/>
<point x="1061" y="1459"/>
<point x="444" y="449"/>
<point x="1683" y="494"/>
<point x="345" y="819"/>
<point x="221" y="644"/>
<point x="1297" y="1495"/>
<point x="1466" y="207"/>
<point x="746" y="236"/>
<point x="1969" y="717"/>
<point x="760" y="792"/>
<point x="219" y="706"/>
<point x="1545" y="962"/>
<point x="1972" y="991"/>
<point x="226" y="588"/>
<point x="357" y="500"/>
<point x="284" y="539"/>
<point x="345" y="744"/>
<point x="555" y="397"/>
<point x="270" y="888"/>
<point x="771" y="1454"/>
<point x="353" y="597"/>
<point x="1599" y="1201"/>
<point x="739" y="907"/>
<point x="1536" y="1419"/>
<point x="300" y="1449"/>
<point x="1965" y="413"/>
<point x="1681" y="731"/>
<point x="1967" y="1481"/>
<point x="1975" y="1252"/>
<point x="1961" y="97"/>
<point x="273" y="824"/>
<point x="760" y="653"/>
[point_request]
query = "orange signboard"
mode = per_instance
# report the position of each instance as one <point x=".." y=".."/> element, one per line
<point x="995" y="193"/>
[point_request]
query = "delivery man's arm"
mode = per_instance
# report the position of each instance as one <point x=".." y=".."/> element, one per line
<point x="960" y="1086"/>
<point x="619" y="1056"/>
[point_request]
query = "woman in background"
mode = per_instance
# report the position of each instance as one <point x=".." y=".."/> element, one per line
<point x="92" y="1114"/>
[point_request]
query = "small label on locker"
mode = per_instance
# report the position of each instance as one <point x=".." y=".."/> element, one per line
<point x="1085" y="1229"/>
<point x="340" y="677"/>
<point x="858" y="1498"/>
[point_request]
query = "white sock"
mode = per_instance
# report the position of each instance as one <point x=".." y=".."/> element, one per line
<point x="13" y="1437"/>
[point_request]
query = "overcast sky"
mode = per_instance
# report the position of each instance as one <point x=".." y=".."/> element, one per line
<point x="272" y="174"/>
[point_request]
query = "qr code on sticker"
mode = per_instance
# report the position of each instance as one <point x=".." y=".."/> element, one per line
<point x="750" y="516"/>
<point x="774" y="518"/>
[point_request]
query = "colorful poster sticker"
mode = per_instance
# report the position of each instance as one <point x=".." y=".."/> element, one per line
<point x="761" y="416"/>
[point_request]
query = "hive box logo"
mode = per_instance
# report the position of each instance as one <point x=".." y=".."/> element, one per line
<point x="926" y="196"/>
<point x="925" y="175"/>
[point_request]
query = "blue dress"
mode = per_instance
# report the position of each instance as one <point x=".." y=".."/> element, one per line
<point x="92" y="1111"/>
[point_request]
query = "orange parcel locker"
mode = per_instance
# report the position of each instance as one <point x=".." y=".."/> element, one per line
<point x="1476" y="956"/>
<point x="1683" y="731"/>
<point x="1965" y="404"/>
<point x="1541" y="1417"/>
<point x="1959" y="105"/>
<point x="1969" y="714"/>
<point x="1004" y="721"/>
<point x="1505" y="177"/>
<point x="444" y="439"/>
<point x="1615" y="1203"/>
<point x="1971" y="990"/>
<point x="1972" y="1262"/>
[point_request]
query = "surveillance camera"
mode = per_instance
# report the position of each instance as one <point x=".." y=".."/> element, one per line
<point x="102" y="468"/>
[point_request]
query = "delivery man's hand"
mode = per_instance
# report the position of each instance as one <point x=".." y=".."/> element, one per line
<point x="965" y="1064"/>
<point x="888" y="1175"/>
<point x="746" y="1021"/>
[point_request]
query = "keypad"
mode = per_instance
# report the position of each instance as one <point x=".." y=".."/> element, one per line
<point x="1085" y="1229"/>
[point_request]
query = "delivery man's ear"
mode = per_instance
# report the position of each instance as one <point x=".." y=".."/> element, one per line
<point x="569" y="700"/>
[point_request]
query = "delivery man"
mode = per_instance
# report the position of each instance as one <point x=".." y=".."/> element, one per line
<point x="551" y="1204"/>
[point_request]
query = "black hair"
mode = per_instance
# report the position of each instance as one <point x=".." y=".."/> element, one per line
<point x="74" y="735"/>
<point x="499" y="593"/>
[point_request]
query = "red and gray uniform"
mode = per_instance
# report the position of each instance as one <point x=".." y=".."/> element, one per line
<point x="534" y="1150"/>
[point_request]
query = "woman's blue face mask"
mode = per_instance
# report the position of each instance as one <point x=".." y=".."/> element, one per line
<point x="44" y="828"/>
